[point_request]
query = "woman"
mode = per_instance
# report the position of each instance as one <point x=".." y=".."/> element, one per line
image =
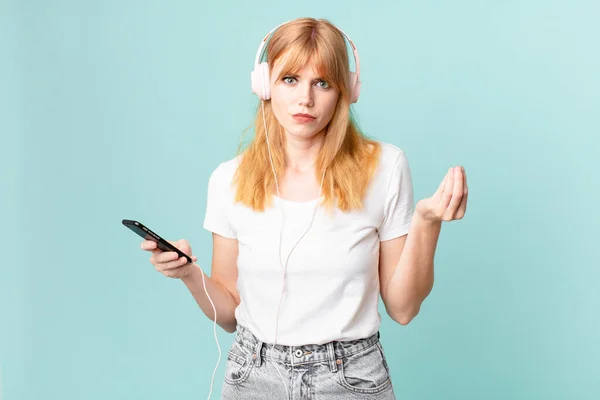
<point x="311" y="223"/>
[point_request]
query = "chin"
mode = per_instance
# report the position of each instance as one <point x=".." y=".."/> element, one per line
<point x="303" y="133"/>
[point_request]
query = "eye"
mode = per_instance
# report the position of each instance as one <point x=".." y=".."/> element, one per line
<point x="323" y="84"/>
<point x="288" y="79"/>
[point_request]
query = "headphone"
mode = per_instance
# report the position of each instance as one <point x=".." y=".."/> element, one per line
<point x="260" y="79"/>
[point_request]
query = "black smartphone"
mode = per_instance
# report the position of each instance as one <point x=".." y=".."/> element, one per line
<point x="147" y="234"/>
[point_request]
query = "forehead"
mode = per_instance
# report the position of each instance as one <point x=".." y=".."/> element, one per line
<point x="307" y="70"/>
<point x="296" y="63"/>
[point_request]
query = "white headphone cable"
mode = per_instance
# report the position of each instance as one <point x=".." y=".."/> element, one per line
<point x="214" y="330"/>
<point x="280" y="241"/>
<point x="284" y="268"/>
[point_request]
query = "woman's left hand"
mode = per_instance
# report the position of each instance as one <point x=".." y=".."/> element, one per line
<point x="449" y="202"/>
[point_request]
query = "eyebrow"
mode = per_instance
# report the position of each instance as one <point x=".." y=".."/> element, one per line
<point x="297" y="76"/>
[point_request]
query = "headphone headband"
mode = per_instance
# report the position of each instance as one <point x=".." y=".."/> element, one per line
<point x="354" y="51"/>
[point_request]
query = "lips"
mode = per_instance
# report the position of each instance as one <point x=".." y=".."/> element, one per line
<point x="303" y="118"/>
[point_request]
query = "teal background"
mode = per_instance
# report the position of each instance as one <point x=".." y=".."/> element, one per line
<point x="122" y="109"/>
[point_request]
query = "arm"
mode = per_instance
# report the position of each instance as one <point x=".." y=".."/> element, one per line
<point x="406" y="269"/>
<point x="221" y="286"/>
<point x="406" y="263"/>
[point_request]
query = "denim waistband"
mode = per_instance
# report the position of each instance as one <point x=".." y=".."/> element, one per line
<point x="295" y="355"/>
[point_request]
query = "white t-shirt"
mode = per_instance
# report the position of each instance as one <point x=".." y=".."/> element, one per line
<point x="332" y="284"/>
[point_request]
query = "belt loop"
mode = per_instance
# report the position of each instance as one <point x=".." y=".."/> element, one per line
<point x="331" y="356"/>
<point x="257" y="353"/>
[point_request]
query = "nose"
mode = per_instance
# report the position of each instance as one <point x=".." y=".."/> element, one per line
<point x="305" y="94"/>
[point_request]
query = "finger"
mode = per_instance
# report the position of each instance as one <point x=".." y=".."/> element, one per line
<point x="151" y="247"/>
<point x="457" y="193"/>
<point x="180" y="262"/>
<point x="462" y="209"/>
<point x="164" y="257"/>
<point x="440" y="188"/>
<point x="466" y="188"/>
<point x="180" y="244"/>
<point x="447" y="191"/>
<point x="148" y="245"/>
<point x="183" y="246"/>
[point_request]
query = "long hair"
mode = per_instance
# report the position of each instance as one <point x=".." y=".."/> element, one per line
<point x="347" y="155"/>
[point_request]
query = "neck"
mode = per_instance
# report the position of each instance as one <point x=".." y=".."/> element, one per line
<point x="301" y="153"/>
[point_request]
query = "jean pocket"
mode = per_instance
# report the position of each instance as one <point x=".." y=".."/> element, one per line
<point x="238" y="366"/>
<point x="365" y="372"/>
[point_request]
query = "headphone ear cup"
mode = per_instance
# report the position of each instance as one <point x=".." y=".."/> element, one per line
<point x="354" y="87"/>
<point x="259" y="79"/>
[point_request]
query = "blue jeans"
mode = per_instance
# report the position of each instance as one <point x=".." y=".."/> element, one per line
<point x="336" y="370"/>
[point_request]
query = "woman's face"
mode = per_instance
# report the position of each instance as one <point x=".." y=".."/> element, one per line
<point x="303" y="103"/>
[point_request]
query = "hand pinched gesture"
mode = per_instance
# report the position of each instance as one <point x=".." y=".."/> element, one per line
<point x="449" y="202"/>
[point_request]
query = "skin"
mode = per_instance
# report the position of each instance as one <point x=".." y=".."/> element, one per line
<point x="305" y="93"/>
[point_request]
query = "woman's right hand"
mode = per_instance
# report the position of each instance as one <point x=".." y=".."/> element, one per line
<point x="169" y="263"/>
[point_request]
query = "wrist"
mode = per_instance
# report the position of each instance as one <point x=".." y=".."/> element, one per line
<point x="193" y="276"/>
<point x="423" y="217"/>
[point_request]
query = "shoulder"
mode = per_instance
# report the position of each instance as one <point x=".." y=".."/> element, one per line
<point x="220" y="182"/>
<point x="391" y="158"/>
<point x="224" y="172"/>
<point x="392" y="167"/>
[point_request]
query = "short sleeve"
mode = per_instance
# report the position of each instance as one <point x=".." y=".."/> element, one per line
<point x="217" y="203"/>
<point x="399" y="201"/>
